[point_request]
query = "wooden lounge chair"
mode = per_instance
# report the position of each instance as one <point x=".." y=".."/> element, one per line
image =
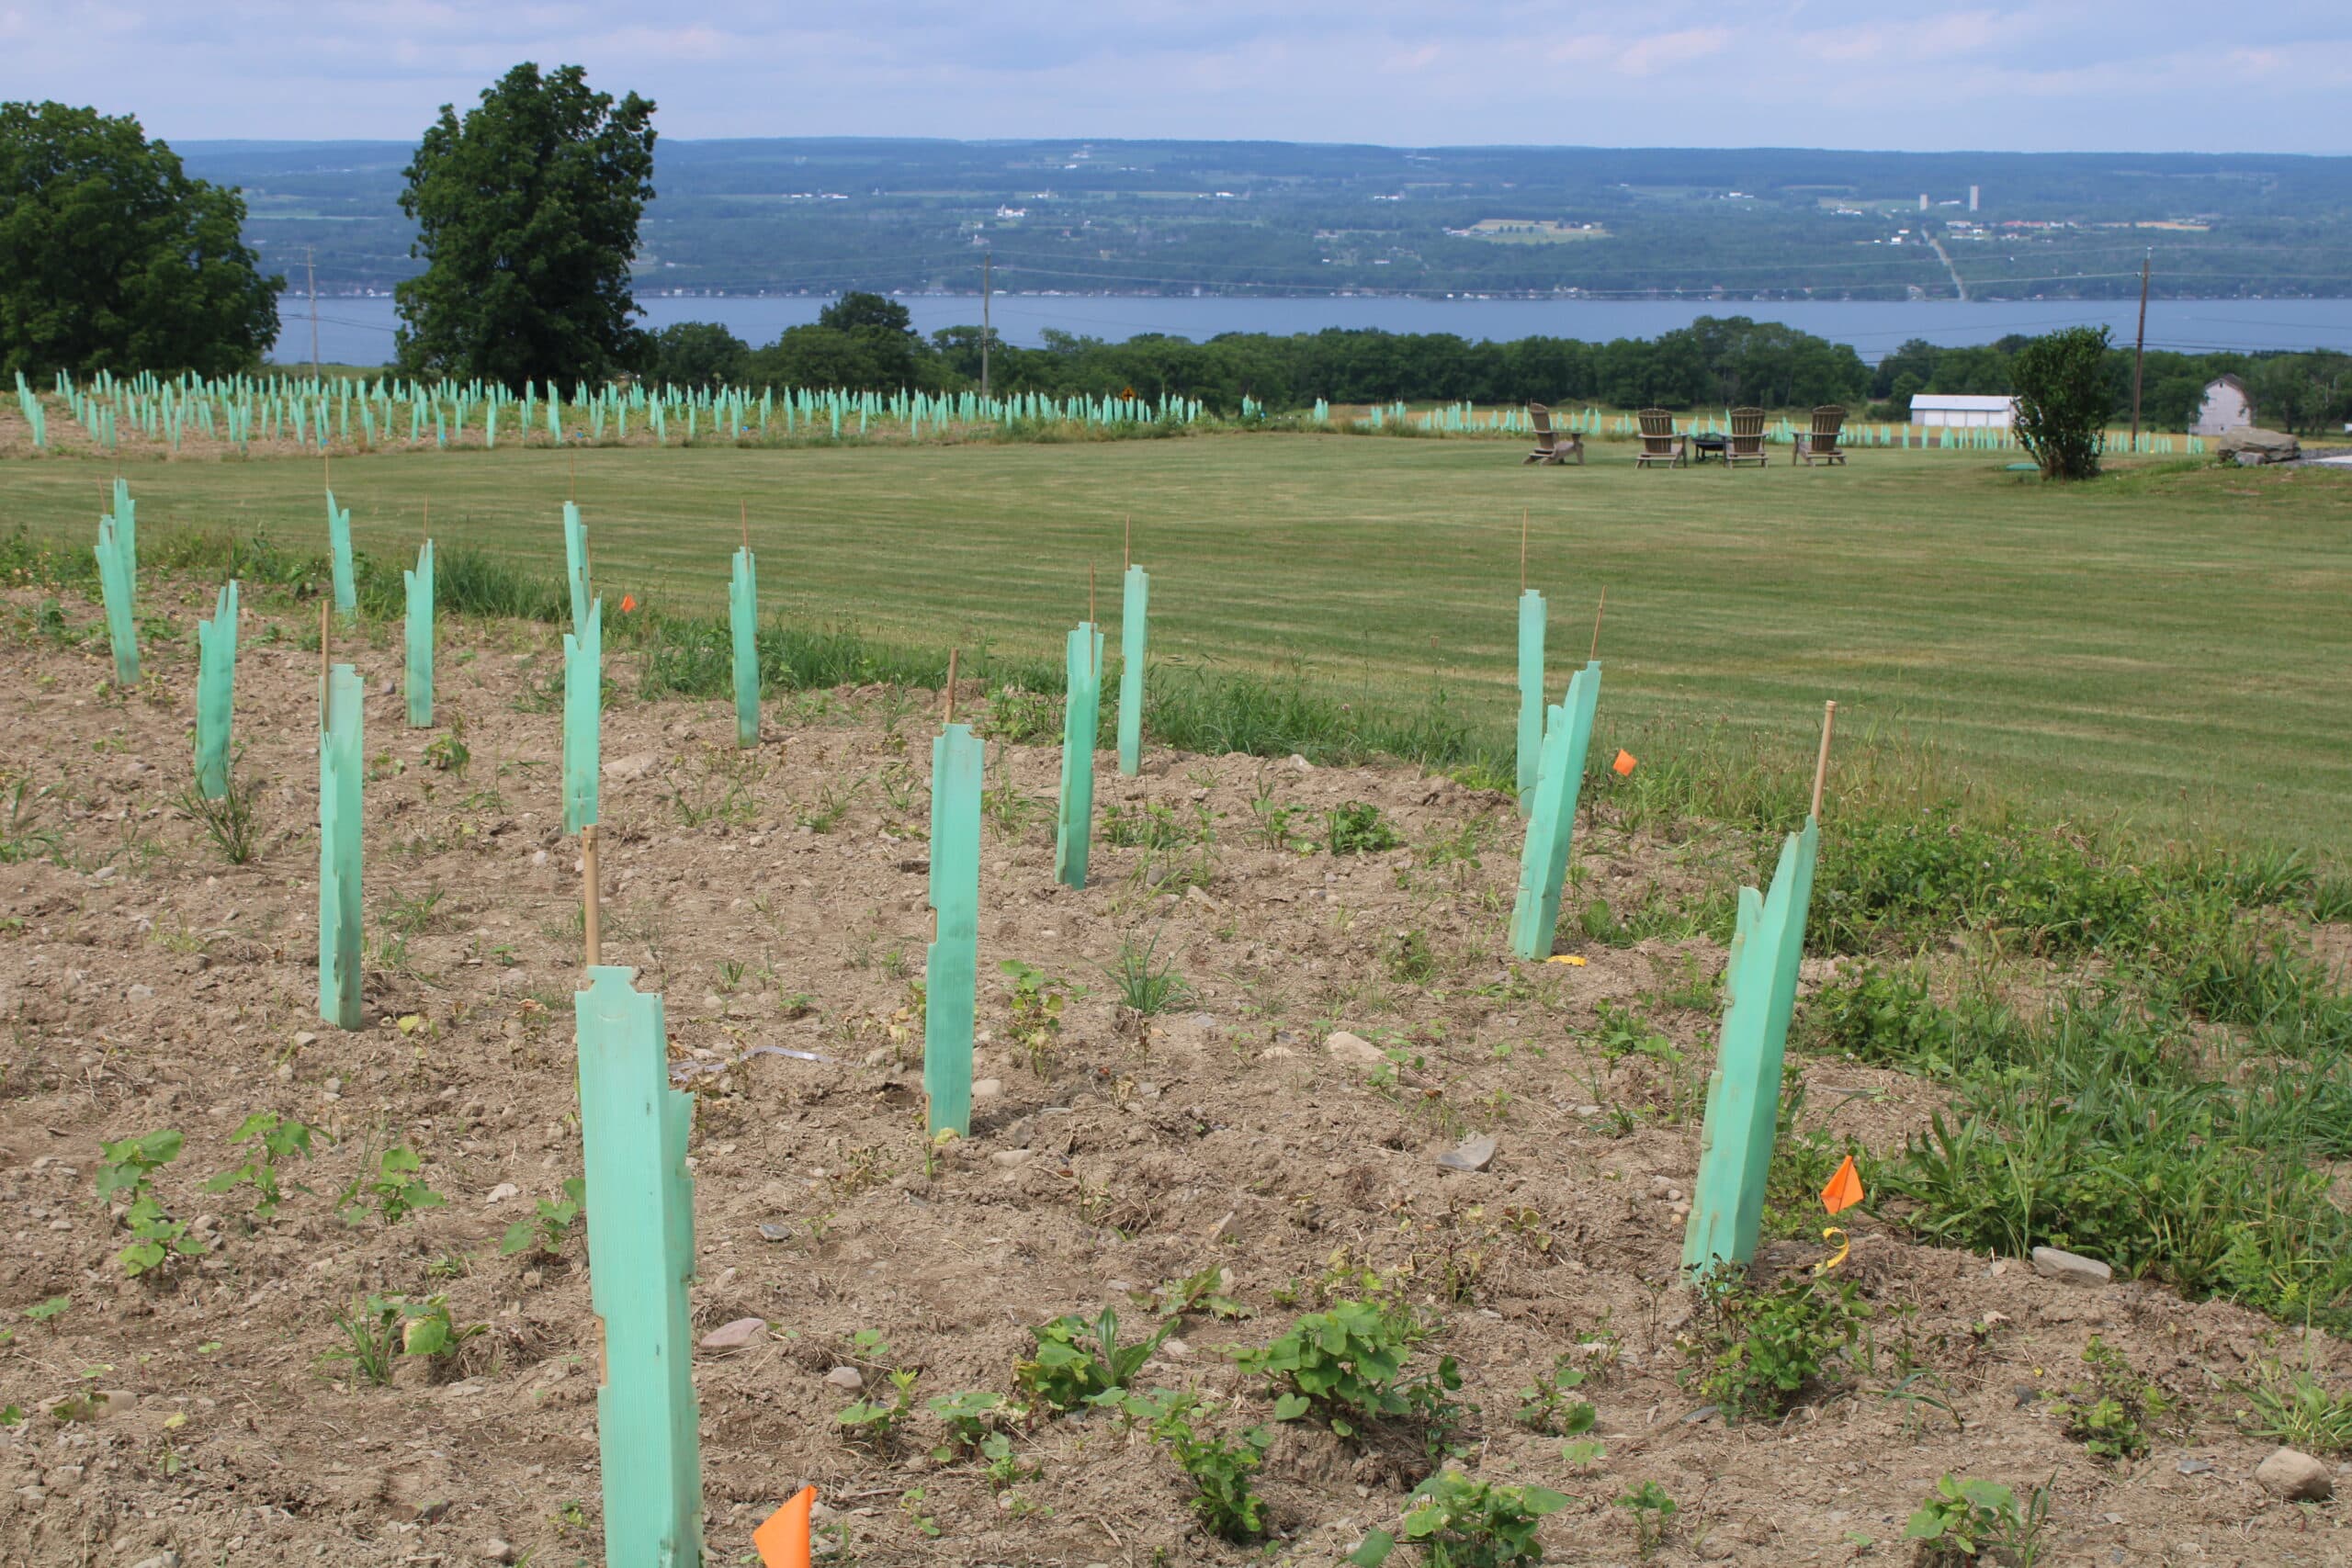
<point x="1552" y="446"/>
<point x="1660" y="444"/>
<point x="1745" y="442"/>
<point x="1820" y="444"/>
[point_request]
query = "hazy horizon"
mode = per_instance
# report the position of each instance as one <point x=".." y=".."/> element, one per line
<point x="2005" y="76"/>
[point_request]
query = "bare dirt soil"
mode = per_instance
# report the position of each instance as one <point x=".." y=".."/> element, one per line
<point x="777" y="898"/>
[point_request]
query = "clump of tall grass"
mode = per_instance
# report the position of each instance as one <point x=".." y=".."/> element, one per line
<point x="2107" y="1126"/>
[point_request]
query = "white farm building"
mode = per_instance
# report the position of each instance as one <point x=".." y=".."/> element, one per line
<point x="1959" y="410"/>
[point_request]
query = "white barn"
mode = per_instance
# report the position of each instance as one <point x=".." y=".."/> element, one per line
<point x="1961" y="411"/>
<point x="2227" y="406"/>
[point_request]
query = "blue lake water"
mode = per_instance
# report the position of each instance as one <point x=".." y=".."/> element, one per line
<point x="358" y="330"/>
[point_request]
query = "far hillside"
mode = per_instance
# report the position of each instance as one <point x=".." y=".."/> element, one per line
<point x="824" y="214"/>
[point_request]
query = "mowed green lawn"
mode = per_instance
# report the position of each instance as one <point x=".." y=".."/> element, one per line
<point x="2169" y="645"/>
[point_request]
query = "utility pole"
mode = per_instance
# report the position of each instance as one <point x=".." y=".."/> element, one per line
<point x="987" y="260"/>
<point x="310" y="268"/>
<point x="2140" y="345"/>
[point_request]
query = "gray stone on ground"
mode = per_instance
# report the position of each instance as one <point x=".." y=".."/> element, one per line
<point x="2256" y="444"/>
<point x="736" y="1335"/>
<point x="846" y="1377"/>
<point x="1342" y="1046"/>
<point x="2296" y="1477"/>
<point x="1470" y="1156"/>
<point x="2051" y="1263"/>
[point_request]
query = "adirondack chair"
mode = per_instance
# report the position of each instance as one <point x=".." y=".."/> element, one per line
<point x="1552" y="446"/>
<point x="1660" y="444"/>
<point x="1820" y="444"/>
<point x="1746" y="444"/>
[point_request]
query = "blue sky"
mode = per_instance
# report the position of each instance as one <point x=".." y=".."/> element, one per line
<point x="2044" y="75"/>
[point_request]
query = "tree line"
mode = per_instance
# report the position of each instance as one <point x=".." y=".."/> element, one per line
<point x="864" y="342"/>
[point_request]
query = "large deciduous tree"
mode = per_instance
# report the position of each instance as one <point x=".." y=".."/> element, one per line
<point x="2059" y="379"/>
<point x="113" y="259"/>
<point x="527" y="213"/>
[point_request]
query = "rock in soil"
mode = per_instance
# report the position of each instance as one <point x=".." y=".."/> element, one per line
<point x="2075" y="1269"/>
<point x="2296" y="1477"/>
<point x="1471" y="1156"/>
<point x="736" y="1335"/>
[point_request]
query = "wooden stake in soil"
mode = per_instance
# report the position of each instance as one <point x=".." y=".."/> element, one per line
<point x="591" y="902"/>
<point x="1603" y="610"/>
<point x="947" y="703"/>
<point x="1821" y="764"/>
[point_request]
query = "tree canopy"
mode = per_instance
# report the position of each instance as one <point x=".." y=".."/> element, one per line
<point x="111" y="258"/>
<point x="527" y="213"/>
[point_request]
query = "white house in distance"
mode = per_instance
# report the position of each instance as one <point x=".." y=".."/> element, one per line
<point x="2227" y="406"/>
<point x="1963" y="411"/>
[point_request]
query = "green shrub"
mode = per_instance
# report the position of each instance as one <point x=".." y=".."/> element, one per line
<point x="2063" y="399"/>
<point x="275" y="1138"/>
<point x="1346" y="1366"/>
<point x="548" y="1225"/>
<point x="126" y="1171"/>
<point x="1762" y="1349"/>
<point x="1461" y="1523"/>
<point x="1971" y="1520"/>
<point x="1358" y="829"/>
<point x="1077" y="1361"/>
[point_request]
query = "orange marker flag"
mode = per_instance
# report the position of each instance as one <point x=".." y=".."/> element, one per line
<point x="784" y="1540"/>
<point x="628" y="603"/>
<point x="1623" y="764"/>
<point x="1845" y="1189"/>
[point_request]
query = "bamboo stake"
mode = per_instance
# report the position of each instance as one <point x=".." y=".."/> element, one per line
<point x="1523" y="549"/>
<point x="1821" y="764"/>
<point x="948" y="713"/>
<point x="1127" y="548"/>
<point x="1596" y="625"/>
<point x="745" y="512"/>
<point x="589" y="880"/>
<point x="325" y="606"/>
<point x="1090" y="614"/>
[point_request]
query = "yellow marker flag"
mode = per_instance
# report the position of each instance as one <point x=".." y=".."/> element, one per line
<point x="783" y="1541"/>
<point x="1568" y="958"/>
